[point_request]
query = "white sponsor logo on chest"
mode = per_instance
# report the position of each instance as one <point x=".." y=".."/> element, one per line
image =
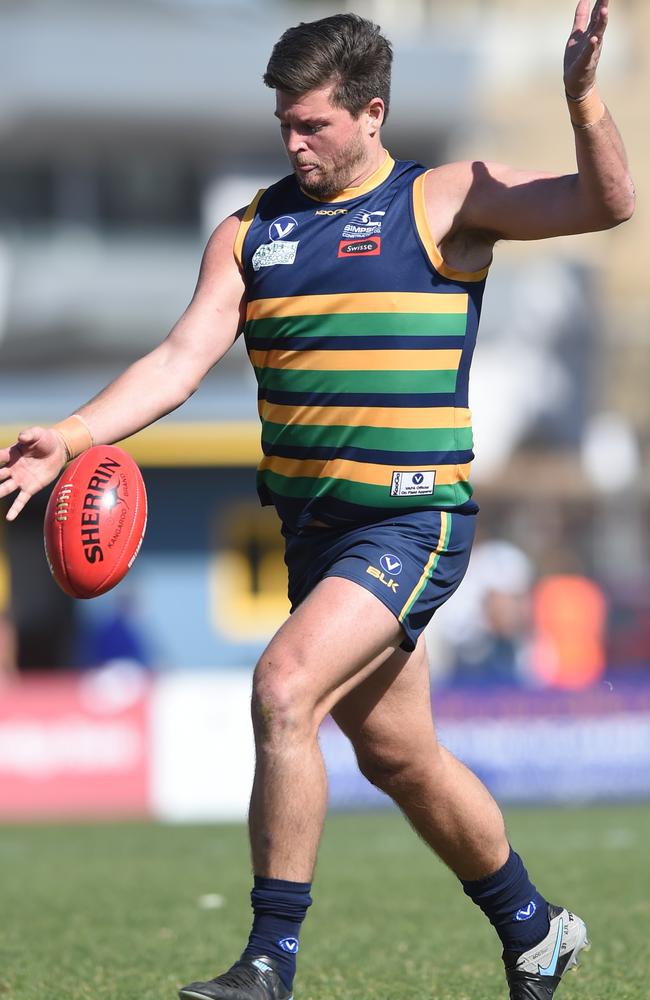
<point x="363" y="224"/>
<point x="279" y="252"/>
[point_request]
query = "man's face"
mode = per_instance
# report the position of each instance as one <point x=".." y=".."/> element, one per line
<point x="327" y="147"/>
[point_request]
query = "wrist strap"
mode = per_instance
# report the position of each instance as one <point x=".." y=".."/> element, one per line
<point x="75" y="434"/>
<point x="586" y="111"/>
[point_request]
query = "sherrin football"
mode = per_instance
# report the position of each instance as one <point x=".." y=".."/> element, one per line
<point x="95" y="521"/>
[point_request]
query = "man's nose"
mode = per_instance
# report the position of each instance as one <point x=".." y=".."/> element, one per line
<point x="295" y="142"/>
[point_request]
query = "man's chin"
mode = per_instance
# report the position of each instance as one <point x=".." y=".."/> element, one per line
<point x="314" y="183"/>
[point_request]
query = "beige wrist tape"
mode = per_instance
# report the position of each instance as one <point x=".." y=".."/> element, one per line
<point x="75" y="434"/>
<point x="587" y="111"/>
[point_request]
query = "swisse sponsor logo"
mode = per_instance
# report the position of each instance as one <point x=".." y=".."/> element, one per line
<point x="381" y="576"/>
<point x="331" y="211"/>
<point x="360" y="248"/>
<point x="96" y="499"/>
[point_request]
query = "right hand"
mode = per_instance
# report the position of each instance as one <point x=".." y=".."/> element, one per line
<point x="31" y="463"/>
<point x="583" y="49"/>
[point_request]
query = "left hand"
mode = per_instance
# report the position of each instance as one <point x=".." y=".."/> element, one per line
<point x="584" y="46"/>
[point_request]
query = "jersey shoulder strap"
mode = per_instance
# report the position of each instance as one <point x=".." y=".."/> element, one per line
<point x="244" y="226"/>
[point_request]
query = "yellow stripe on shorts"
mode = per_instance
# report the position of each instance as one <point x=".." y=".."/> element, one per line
<point x="432" y="562"/>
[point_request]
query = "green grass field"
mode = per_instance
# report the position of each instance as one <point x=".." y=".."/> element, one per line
<point x="112" y="912"/>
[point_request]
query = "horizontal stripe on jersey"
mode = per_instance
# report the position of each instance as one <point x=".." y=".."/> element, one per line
<point x="357" y="343"/>
<point x="357" y="302"/>
<point x="397" y="324"/>
<point x="362" y="360"/>
<point x="386" y="439"/>
<point x="384" y="417"/>
<point x="425" y="459"/>
<point x="350" y="400"/>
<point x="395" y="382"/>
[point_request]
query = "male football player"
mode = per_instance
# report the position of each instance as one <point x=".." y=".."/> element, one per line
<point x="357" y="281"/>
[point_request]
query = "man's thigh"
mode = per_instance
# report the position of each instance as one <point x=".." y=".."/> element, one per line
<point x="391" y="707"/>
<point x="339" y="635"/>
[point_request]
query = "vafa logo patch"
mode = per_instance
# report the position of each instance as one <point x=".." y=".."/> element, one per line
<point x="282" y="227"/>
<point x="405" y="483"/>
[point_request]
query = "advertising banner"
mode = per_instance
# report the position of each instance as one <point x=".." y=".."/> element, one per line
<point x="528" y="746"/>
<point x="112" y="743"/>
<point x="74" y="747"/>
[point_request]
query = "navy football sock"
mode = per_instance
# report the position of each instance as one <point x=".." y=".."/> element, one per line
<point x="279" y="909"/>
<point x="512" y="904"/>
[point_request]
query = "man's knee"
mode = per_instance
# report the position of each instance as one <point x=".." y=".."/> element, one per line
<point x="397" y="767"/>
<point x="282" y="704"/>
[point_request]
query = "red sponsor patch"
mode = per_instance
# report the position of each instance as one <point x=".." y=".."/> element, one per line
<point x="370" y="247"/>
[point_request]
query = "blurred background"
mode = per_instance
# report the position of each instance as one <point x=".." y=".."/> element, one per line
<point x="128" y="131"/>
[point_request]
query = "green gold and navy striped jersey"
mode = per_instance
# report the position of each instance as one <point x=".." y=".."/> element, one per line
<point x="361" y="339"/>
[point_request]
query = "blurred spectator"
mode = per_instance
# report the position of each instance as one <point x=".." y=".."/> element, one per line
<point x="487" y="627"/>
<point x="628" y="627"/>
<point x="570" y="615"/>
<point x="113" y="634"/>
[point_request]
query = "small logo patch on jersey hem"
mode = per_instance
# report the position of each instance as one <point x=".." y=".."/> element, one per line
<point x="360" y="248"/>
<point x="280" y="252"/>
<point x="412" y="484"/>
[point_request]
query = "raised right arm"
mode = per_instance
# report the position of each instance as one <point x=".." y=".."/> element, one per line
<point x="154" y="385"/>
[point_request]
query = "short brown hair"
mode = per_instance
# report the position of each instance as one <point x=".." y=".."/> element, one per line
<point x="345" y="48"/>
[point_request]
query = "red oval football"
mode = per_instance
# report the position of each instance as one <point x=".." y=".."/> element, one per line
<point x="95" y="521"/>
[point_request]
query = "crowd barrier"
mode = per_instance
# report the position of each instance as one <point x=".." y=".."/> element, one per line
<point x="119" y="743"/>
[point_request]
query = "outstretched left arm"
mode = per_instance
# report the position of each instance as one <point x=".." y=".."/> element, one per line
<point x="528" y="205"/>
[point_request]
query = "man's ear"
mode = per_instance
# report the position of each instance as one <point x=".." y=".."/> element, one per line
<point x="374" y="115"/>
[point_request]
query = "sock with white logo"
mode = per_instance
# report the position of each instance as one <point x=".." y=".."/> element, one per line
<point x="279" y="907"/>
<point x="512" y="904"/>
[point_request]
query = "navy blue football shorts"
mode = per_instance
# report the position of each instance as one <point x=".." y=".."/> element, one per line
<point x="412" y="562"/>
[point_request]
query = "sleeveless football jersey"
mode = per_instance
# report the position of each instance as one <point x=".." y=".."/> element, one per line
<point x="361" y="339"/>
